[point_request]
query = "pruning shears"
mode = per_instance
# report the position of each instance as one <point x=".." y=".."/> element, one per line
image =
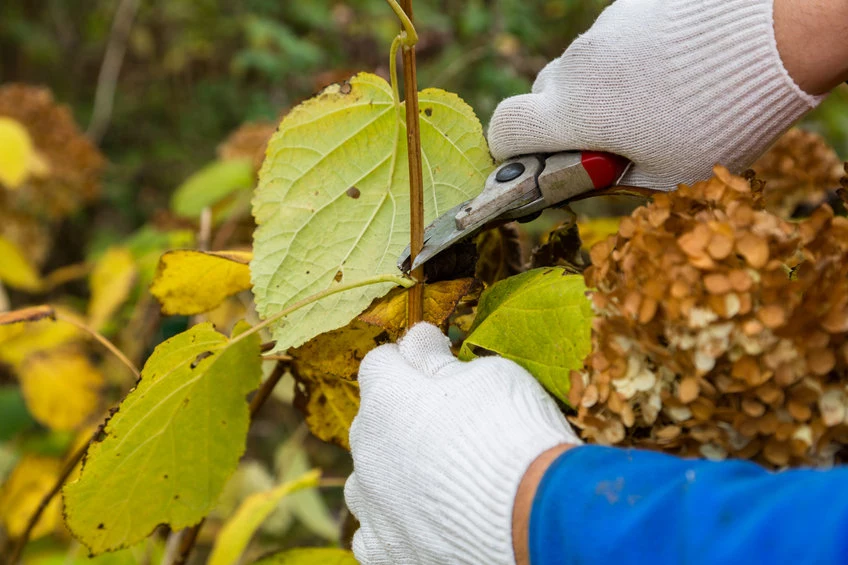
<point x="519" y="188"/>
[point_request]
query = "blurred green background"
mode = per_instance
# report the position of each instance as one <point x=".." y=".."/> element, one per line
<point x="193" y="70"/>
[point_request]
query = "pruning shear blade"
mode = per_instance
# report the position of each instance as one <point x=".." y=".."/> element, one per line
<point x="518" y="188"/>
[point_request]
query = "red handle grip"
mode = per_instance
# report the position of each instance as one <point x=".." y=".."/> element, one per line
<point x="603" y="168"/>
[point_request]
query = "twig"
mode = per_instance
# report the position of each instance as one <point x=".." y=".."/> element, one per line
<point x="204" y="232"/>
<point x="336" y="482"/>
<point x="77" y="456"/>
<point x="266" y="389"/>
<point x="277" y="358"/>
<point x="107" y="80"/>
<point x="189" y="536"/>
<point x="415" y="311"/>
<point x="103" y="341"/>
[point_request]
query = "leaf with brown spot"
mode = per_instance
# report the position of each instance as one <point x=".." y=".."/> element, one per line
<point x="440" y="300"/>
<point x="325" y="369"/>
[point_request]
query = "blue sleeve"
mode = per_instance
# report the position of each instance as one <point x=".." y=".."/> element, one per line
<point x="605" y="505"/>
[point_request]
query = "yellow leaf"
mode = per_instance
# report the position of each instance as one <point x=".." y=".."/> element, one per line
<point x="440" y="300"/>
<point x="19" y="341"/>
<point x="597" y="229"/>
<point x="236" y="533"/>
<point x="15" y="269"/>
<point x="61" y="388"/>
<point x="111" y="282"/>
<point x="325" y="369"/>
<point x="31" y="479"/>
<point x="190" y="282"/>
<point x="18" y="157"/>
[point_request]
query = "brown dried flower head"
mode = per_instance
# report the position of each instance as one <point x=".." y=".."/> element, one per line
<point x="73" y="163"/>
<point x="71" y="175"/>
<point x="721" y="330"/>
<point x="798" y="169"/>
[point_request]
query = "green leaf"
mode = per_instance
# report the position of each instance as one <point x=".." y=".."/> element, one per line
<point x="310" y="556"/>
<point x="168" y="451"/>
<point x="236" y="533"/>
<point x="15" y="268"/>
<point x="210" y="185"/>
<point x="16" y="418"/>
<point x="540" y="319"/>
<point x="332" y="206"/>
<point x="147" y="245"/>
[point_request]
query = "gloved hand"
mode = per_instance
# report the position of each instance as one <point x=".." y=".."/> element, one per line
<point x="674" y="85"/>
<point x="439" y="449"/>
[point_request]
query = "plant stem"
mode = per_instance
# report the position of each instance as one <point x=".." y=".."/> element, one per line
<point x="377" y="279"/>
<point x="267" y="388"/>
<point x="409" y="36"/>
<point x="338" y="482"/>
<point x="69" y="466"/>
<point x="189" y="537"/>
<point x="277" y="358"/>
<point x="415" y="310"/>
<point x="103" y="341"/>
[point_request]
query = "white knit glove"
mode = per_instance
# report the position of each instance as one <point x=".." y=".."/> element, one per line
<point x="439" y="448"/>
<point x="674" y="85"/>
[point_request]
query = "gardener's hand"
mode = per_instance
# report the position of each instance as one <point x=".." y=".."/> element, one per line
<point x="676" y="86"/>
<point x="439" y="449"/>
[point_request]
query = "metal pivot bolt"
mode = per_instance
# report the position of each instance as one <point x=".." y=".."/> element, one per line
<point x="509" y="172"/>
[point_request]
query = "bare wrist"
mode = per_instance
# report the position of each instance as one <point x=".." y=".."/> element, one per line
<point x="810" y="37"/>
<point x="524" y="501"/>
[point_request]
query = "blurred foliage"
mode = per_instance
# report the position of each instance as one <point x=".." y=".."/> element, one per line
<point x="193" y="72"/>
<point x="195" y="69"/>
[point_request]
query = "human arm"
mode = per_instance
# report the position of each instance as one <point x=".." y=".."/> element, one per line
<point x="679" y="85"/>
<point x="605" y="505"/>
<point x="811" y="38"/>
<point x="524" y="497"/>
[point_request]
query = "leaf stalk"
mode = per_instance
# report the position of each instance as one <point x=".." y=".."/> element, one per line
<point x="377" y="279"/>
<point x="409" y="36"/>
<point x="101" y="339"/>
